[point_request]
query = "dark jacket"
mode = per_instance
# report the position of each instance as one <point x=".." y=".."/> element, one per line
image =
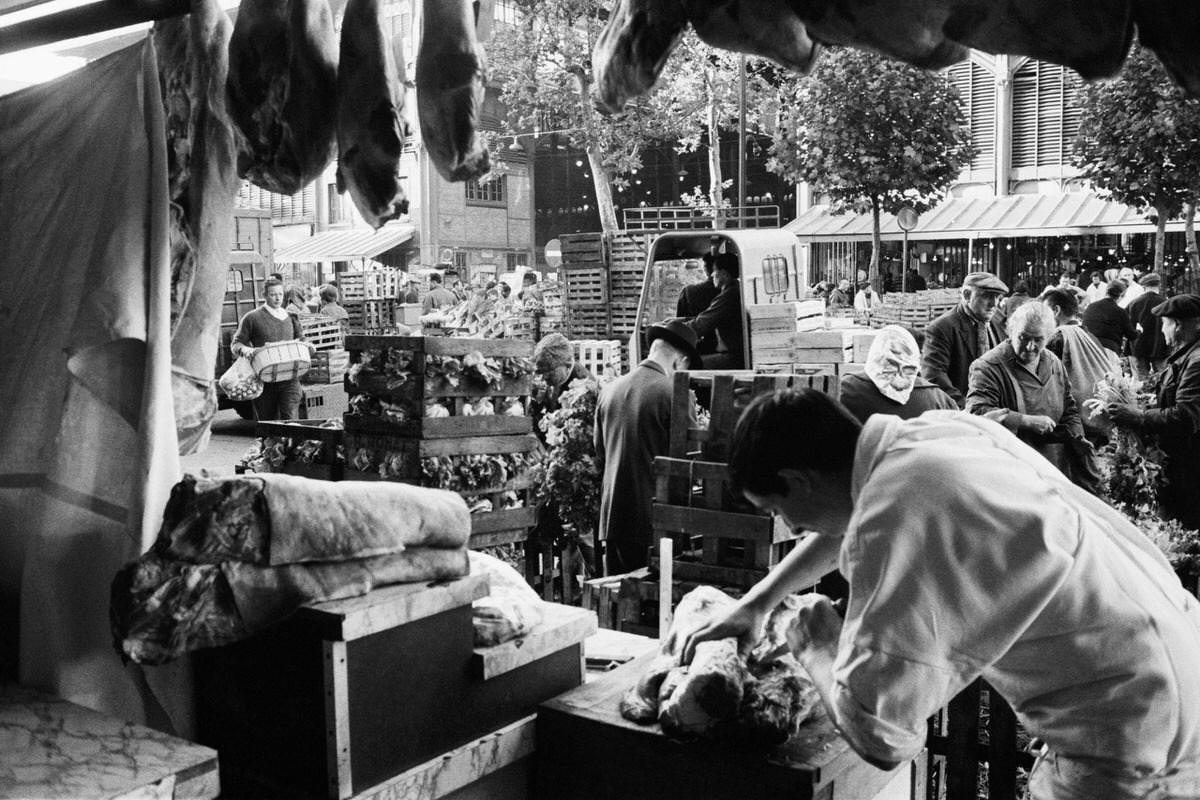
<point x="725" y="316"/>
<point x="1109" y="323"/>
<point x="1176" y="421"/>
<point x="633" y="423"/>
<point x="692" y="300"/>
<point x="951" y="344"/>
<point x="860" y="395"/>
<point x="1149" y="343"/>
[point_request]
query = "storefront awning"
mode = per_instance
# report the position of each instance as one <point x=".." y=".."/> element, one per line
<point x="346" y="245"/>
<point x="1017" y="215"/>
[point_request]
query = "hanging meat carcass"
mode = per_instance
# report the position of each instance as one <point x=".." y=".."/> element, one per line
<point x="760" y="699"/>
<point x="370" y="122"/>
<point x="633" y="49"/>
<point x="192" y="62"/>
<point x="283" y="91"/>
<point x="451" y="73"/>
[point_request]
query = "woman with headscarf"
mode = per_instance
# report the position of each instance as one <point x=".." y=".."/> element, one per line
<point x="891" y="383"/>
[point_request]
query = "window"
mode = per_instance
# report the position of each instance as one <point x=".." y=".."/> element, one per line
<point x="299" y="207"/>
<point x="506" y="12"/>
<point x="977" y="91"/>
<point x="1045" y="114"/>
<point x="517" y="260"/>
<point x="489" y="192"/>
<point x="775" y="275"/>
<point x="337" y="213"/>
<point x="460" y="259"/>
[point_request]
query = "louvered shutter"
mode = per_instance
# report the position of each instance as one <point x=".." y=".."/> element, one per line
<point x="1025" y="116"/>
<point x="982" y="112"/>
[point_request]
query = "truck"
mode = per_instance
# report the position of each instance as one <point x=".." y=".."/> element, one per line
<point x="770" y="273"/>
<point x="250" y="264"/>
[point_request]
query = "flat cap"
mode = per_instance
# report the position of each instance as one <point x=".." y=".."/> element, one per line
<point x="1150" y="279"/>
<point x="984" y="280"/>
<point x="1181" y="306"/>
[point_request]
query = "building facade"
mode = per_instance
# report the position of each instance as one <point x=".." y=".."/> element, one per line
<point x="1019" y="209"/>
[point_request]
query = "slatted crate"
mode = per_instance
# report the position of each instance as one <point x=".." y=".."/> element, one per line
<point x="328" y="366"/>
<point x="623" y="318"/>
<point x="585" y="284"/>
<point x="327" y="401"/>
<point x="421" y="387"/>
<point x="588" y="322"/>
<point x="582" y="247"/>
<point x="326" y="464"/>
<point x="322" y="332"/>
<point x="372" y="284"/>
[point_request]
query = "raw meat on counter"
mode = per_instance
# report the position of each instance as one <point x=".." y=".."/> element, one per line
<point x="760" y="699"/>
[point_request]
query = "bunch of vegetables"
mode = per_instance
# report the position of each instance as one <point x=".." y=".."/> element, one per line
<point x="1131" y="467"/>
<point x="270" y="453"/>
<point x="566" y="475"/>
<point x="398" y="368"/>
<point x="472" y="473"/>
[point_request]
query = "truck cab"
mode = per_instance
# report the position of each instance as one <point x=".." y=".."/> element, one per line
<point x="770" y="272"/>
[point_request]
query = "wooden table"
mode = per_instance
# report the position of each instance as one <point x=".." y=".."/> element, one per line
<point x="587" y="750"/>
<point x="54" y="749"/>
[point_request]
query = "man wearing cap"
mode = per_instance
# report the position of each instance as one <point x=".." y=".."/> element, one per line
<point x="963" y="334"/>
<point x="695" y="298"/>
<point x="633" y="422"/>
<point x="1149" y="349"/>
<point x="724" y="316"/>
<point x="554" y="362"/>
<point x="1176" y="419"/>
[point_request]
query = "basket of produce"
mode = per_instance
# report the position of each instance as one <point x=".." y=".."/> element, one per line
<point x="281" y="361"/>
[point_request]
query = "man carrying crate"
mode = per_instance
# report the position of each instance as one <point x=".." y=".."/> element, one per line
<point x="969" y="555"/>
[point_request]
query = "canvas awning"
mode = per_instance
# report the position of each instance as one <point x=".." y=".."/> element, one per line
<point x="346" y="245"/>
<point x="1016" y="215"/>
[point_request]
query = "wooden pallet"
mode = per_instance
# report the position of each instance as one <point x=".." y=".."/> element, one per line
<point x="588" y="322"/>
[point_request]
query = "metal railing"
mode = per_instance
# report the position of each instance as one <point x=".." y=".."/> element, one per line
<point x="670" y="218"/>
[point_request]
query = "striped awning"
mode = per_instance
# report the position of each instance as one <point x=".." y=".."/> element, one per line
<point x="346" y="245"/>
<point x="1017" y="215"/>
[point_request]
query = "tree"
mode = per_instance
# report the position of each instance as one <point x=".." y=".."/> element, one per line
<point x="873" y="134"/>
<point x="543" y="65"/>
<point x="1139" y="144"/>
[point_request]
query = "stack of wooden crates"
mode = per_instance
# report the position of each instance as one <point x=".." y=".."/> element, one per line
<point x="324" y="397"/>
<point x="914" y="310"/>
<point x="720" y="540"/>
<point x="370" y="297"/>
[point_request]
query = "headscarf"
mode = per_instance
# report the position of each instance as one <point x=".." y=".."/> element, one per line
<point x="893" y="363"/>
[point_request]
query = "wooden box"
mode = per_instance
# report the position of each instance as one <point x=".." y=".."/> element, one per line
<point x="322" y="332"/>
<point x="346" y="695"/>
<point x="588" y="751"/>
<point x="324" y="401"/>
<point x="328" y="366"/>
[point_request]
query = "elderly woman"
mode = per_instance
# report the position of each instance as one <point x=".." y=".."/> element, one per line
<point x="891" y="383"/>
<point x="1023" y="386"/>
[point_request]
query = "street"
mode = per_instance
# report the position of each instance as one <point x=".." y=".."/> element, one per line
<point x="231" y="436"/>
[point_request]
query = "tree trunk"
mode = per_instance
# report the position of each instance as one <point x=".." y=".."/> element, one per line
<point x="873" y="267"/>
<point x="714" y="156"/>
<point x="1160" y="240"/>
<point x="1189" y="236"/>
<point x="601" y="177"/>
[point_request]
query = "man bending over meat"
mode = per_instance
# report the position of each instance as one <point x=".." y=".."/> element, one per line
<point x="969" y="555"/>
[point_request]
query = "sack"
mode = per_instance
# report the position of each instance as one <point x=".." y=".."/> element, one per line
<point x="240" y="382"/>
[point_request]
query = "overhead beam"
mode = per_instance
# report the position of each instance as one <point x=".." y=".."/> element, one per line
<point x="86" y="20"/>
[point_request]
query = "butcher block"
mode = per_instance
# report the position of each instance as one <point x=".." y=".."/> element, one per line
<point x="346" y="695"/>
<point x="588" y="751"/>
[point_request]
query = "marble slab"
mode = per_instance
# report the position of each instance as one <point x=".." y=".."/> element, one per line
<point x="50" y="748"/>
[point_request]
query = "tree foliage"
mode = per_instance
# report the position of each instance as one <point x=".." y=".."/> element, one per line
<point x="543" y="65"/>
<point x="1139" y="143"/>
<point x="873" y="134"/>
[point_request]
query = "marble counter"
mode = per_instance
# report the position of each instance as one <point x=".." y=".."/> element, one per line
<point x="50" y="748"/>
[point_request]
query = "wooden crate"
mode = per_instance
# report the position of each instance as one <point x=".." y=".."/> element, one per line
<point x="345" y="696"/>
<point x="585" y="285"/>
<point x="328" y="366"/>
<point x="372" y="284"/>
<point x="729" y="392"/>
<point x="588" y="322"/>
<point x="974" y="741"/>
<point x="322" y="332"/>
<point x="323" y="401"/>
<point x="623" y="318"/>
<point x="599" y="356"/>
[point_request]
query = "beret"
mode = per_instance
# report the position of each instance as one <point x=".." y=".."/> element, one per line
<point x="1181" y="306"/>
<point x="984" y="280"/>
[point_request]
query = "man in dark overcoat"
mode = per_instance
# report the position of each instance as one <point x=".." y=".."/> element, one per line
<point x="963" y="334"/>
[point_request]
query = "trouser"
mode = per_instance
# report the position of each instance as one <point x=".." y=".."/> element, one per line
<point x="279" y="400"/>
<point x="1142" y="367"/>
<point x="1057" y="777"/>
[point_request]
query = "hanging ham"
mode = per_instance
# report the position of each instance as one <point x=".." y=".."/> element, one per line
<point x="451" y="73"/>
<point x="370" y="121"/>
<point x="282" y="91"/>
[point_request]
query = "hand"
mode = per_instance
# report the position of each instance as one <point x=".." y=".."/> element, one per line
<point x="1094" y="407"/>
<point x="816" y="629"/>
<point x="1123" y="414"/>
<point x="1039" y="423"/>
<point x="743" y="622"/>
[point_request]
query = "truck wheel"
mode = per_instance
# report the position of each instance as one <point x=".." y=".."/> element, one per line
<point x="244" y="409"/>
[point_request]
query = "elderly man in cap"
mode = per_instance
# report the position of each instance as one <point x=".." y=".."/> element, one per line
<point x="1176" y="417"/>
<point x="963" y="334"/>
<point x="1149" y="350"/>
<point x="554" y="362"/>
<point x="633" y="422"/>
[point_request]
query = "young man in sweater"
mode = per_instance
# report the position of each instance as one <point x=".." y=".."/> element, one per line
<point x="265" y="324"/>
